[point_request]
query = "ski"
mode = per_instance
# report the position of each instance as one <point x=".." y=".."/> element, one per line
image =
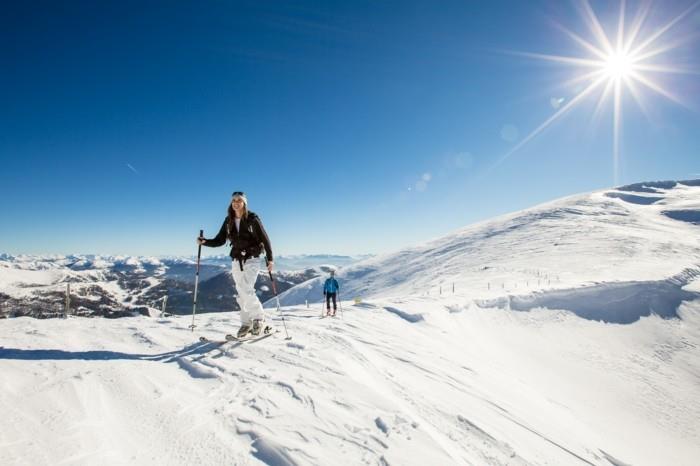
<point x="267" y="332"/>
<point x="249" y="339"/>
<point x="209" y="340"/>
<point x="233" y="338"/>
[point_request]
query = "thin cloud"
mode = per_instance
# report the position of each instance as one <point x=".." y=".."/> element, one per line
<point x="132" y="168"/>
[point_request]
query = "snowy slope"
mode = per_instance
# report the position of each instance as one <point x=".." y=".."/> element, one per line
<point x="411" y="382"/>
<point x="603" y="370"/>
<point x="612" y="236"/>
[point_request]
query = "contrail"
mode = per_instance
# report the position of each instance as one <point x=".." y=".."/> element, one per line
<point x="132" y="168"/>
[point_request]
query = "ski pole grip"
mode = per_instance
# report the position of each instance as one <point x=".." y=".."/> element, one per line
<point x="199" y="250"/>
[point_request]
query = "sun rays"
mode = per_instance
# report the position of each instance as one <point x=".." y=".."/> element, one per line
<point x="628" y="61"/>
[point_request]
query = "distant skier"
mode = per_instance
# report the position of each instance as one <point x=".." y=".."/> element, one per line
<point x="330" y="290"/>
<point x="248" y="239"/>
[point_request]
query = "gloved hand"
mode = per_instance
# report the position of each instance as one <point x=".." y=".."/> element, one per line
<point x="324" y="293"/>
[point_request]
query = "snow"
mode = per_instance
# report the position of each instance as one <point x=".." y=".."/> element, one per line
<point x="22" y="276"/>
<point x="19" y="282"/>
<point x="461" y="385"/>
<point x="581" y="240"/>
<point x="693" y="286"/>
<point x="572" y="337"/>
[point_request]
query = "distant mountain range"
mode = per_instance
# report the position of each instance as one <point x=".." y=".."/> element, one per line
<point x="615" y="255"/>
<point x="116" y="286"/>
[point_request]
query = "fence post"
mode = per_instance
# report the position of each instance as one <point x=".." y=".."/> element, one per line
<point x="165" y="301"/>
<point x="66" y="311"/>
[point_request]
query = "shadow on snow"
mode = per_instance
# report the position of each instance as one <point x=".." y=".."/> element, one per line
<point x="199" y="348"/>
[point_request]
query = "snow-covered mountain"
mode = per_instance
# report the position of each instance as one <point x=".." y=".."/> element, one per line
<point x="612" y="255"/>
<point x="284" y="263"/>
<point x="116" y="286"/>
<point x="602" y="369"/>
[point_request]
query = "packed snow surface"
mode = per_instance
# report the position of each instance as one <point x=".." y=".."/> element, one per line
<point x="460" y="385"/>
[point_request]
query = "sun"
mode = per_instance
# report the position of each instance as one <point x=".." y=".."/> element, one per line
<point x="619" y="65"/>
<point x="625" y="62"/>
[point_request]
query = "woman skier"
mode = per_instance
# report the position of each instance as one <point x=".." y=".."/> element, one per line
<point x="245" y="231"/>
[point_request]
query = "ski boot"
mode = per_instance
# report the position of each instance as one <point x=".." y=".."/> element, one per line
<point x="243" y="331"/>
<point x="258" y="325"/>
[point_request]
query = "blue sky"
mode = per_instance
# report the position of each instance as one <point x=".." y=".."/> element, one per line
<point x="354" y="127"/>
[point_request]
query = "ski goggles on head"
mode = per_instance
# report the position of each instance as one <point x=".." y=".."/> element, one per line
<point x="240" y="195"/>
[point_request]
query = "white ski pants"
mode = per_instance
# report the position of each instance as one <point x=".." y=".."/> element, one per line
<point x="251" y="308"/>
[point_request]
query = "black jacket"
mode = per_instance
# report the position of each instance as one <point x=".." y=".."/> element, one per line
<point x="246" y="242"/>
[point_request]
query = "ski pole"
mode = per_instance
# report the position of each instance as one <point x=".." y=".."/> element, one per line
<point x="274" y="290"/>
<point x="340" y="303"/>
<point x="196" y="280"/>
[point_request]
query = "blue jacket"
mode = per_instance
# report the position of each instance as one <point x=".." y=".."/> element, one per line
<point x="331" y="286"/>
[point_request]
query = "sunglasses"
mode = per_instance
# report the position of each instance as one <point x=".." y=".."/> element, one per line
<point x="238" y="193"/>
